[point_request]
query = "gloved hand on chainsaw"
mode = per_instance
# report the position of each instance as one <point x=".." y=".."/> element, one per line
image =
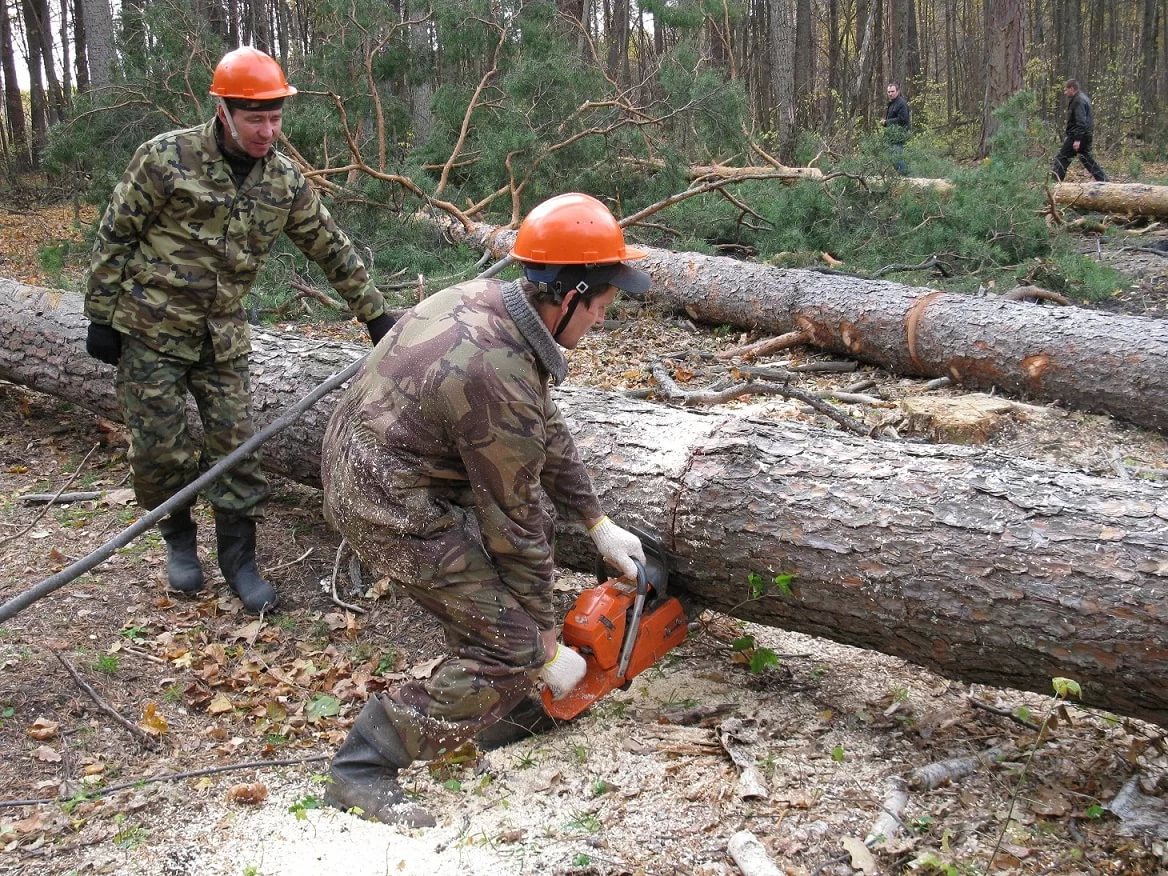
<point x="563" y="671"/>
<point x="619" y="547"/>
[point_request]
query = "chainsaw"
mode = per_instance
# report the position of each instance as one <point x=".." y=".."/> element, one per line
<point x="620" y="632"/>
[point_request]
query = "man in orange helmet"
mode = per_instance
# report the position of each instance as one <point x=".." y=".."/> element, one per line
<point x="434" y="465"/>
<point x="187" y="231"/>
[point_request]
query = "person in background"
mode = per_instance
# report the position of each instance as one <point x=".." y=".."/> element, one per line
<point x="897" y="126"/>
<point x="1079" y="134"/>
<point x="185" y="234"/>
<point x="434" y="466"/>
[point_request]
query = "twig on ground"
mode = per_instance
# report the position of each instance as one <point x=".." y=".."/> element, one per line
<point x="175" y="777"/>
<point x="285" y="565"/>
<point x="1026" y="293"/>
<point x="931" y="262"/>
<point x="356" y="609"/>
<point x="1005" y="713"/>
<point x="49" y="504"/>
<point x="133" y="729"/>
<point x="938" y="383"/>
<point x="764" y="347"/>
<point x="60" y="498"/>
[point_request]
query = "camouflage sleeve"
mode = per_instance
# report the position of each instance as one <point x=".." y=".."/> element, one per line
<point x="316" y="234"/>
<point x="565" y="478"/>
<point x="136" y="200"/>
<point x="501" y="441"/>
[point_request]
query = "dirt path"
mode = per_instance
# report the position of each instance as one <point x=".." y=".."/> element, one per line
<point x="646" y="783"/>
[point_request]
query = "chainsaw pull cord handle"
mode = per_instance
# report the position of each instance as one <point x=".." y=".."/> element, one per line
<point x="634" y="626"/>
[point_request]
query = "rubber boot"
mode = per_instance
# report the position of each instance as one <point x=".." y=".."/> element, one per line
<point x="184" y="573"/>
<point x="527" y="719"/>
<point x="237" y="560"/>
<point x="364" y="773"/>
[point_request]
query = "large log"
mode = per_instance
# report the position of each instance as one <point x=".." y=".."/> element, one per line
<point x="1085" y="359"/>
<point x="981" y="567"/>
<point x="1123" y="199"/>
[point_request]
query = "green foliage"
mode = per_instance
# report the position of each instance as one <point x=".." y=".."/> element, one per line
<point x="301" y="807"/>
<point x="108" y="664"/>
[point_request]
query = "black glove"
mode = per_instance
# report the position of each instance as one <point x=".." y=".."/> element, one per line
<point x="104" y="343"/>
<point x="378" y="326"/>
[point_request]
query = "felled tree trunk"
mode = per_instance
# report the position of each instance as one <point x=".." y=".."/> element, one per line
<point x="1085" y="359"/>
<point x="978" y="566"/>
<point x="1123" y="199"/>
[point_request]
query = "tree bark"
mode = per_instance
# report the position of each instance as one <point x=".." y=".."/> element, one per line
<point x="1085" y="359"/>
<point x="1003" y="63"/>
<point x="99" y="41"/>
<point x="978" y="566"/>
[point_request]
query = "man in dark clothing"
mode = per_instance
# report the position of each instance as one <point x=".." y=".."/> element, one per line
<point x="897" y="125"/>
<point x="1080" y="125"/>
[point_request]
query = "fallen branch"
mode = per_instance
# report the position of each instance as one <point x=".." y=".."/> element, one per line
<point x="750" y="856"/>
<point x="931" y="262"/>
<point x="133" y="729"/>
<point x="336" y="568"/>
<point x="764" y="347"/>
<point x="1026" y="293"/>
<point x="50" y="502"/>
<point x="59" y="498"/>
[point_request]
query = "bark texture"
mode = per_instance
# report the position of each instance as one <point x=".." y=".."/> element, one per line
<point x="1085" y="359"/>
<point x="978" y="566"/>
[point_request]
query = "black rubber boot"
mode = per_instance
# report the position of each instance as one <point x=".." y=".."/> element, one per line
<point x="364" y="773"/>
<point x="524" y="721"/>
<point x="184" y="573"/>
<point x="237" y="560"/>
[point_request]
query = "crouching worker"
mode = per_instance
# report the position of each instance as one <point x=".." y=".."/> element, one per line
<point x="434" y="464"/>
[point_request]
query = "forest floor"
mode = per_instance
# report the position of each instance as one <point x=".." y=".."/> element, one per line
<point x="651" y="781"/>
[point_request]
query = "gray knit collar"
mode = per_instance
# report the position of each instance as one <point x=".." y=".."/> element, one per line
<point x="535" y="332"/>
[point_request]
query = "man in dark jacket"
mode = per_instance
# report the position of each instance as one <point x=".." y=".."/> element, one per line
<point x="897" y="126"/>
<point x="1080" y="125"/>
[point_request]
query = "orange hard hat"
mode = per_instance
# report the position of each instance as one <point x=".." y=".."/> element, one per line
<point x="572" y="229"/>
<point x="249" y="74"/>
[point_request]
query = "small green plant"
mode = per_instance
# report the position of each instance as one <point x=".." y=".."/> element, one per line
<point x="251" y="870"/>
<point x="1095" y="811"/>
<point x="388" y="662"/>
<point x="580" y="753"/>
<point x="6" y="713"/>
<point x="302" y="806"/>
<point x="129" y="837"/>
<point x="600" y="787"/>
<point x="760" y="658"/>
<point x="452" y="785"/>
<point x="760" y="586"/>
<point x="107" y="663"/>
<point x="837" y="754"/>
<point x="584" y="822"/>
<point x="134" y="633"/>
<point x="581" y="860"/>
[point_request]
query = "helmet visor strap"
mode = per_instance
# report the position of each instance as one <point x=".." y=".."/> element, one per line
<point x="230" y="122"/>
<point x="568" y="314"/>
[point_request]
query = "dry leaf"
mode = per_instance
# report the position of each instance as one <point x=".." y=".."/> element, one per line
<point x="118" y="497"/>
<point x="249" y="794"/>
<point x="219" y="705"/>
<point x="425" y="670"/>
<point x="47" y="754"/>
<point x="861" y="855"/>
<point x="248" y="632"/>
<point x="152" y="720"/>
<point x="43" y="729"/>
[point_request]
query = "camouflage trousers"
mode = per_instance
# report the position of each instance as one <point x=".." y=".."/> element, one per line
<point x="495" y="644"/>
<point x="152" y="390"/>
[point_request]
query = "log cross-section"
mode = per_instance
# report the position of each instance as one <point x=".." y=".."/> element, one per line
<point x="979" y="566"/>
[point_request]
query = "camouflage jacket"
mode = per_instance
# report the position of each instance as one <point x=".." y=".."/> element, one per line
<point x="454" y="408"/>
<point x="180" y="245"/>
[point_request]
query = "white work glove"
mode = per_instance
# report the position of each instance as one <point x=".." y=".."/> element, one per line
<point x="618" y="546"/>
<point x="564" y="671"/>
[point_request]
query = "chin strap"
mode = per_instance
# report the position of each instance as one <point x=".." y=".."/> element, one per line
<point x="231" y="124"/>
<point x="568" y="314"/>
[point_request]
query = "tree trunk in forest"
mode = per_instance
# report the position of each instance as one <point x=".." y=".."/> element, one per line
<point x="1003" y="63"/>
<point x="1085" y="359"/>
<point x="782" y="56"/>
<point x="976" y="565"/>
<point x="13" y="102"/>
<point x="37" y="105"/>
<point x="805" y="66"/>
<point x="80" y="58"/>
<point x="99" y="41"/>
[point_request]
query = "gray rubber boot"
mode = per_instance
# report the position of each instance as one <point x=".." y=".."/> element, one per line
<point x="364" y="773"/>
<point x="184" y="573"/>
<point x="524" y="721"/>
<point x="237" y="560"/>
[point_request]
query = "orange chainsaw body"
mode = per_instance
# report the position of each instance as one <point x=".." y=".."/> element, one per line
<point x="598" y="628"/>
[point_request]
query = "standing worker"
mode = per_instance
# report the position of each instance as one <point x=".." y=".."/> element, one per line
<point x="434" y="465"/>
<point x="897" y="124"/>
<point x="1079" y="133"/>
<point x="186" y="231"/>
